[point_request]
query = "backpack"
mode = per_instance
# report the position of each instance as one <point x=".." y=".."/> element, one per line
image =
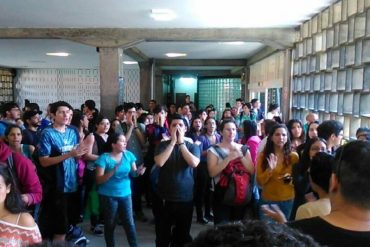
<point x="235" y="187"/>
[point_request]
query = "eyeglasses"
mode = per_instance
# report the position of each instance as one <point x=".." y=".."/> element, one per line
<point x="318" y="149"/>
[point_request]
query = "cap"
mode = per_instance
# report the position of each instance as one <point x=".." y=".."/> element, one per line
<point x="34" y="107"/>
<point x="29" y="114"/>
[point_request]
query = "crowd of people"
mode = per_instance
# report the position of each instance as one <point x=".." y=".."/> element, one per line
<point x="75" y="163"/>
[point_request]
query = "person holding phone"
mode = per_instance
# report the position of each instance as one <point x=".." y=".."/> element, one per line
<point x="274" y="171"/>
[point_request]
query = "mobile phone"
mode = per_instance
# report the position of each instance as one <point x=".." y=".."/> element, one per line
<point x="287" y="178"/>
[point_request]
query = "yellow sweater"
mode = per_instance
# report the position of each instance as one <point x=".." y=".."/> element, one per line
<point x="273" y="187"/>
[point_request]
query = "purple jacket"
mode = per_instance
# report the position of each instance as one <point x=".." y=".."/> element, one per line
<point x="205" y="144"/>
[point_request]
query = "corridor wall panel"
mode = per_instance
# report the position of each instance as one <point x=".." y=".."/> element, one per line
<point x="45" y="86"/>
<point x="339" y="78"/>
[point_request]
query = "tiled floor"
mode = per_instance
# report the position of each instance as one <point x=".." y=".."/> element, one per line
<point x="145" y="232"/>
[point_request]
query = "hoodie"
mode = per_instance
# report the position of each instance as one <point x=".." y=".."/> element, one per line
<point x="29" y="183"/>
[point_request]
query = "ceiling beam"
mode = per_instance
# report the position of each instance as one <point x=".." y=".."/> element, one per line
<point x="279" y="38"/>
<point x="198" y="72"/>
<point x="237" y="70"/>
<point x="136" y="54"/>
<point x="263" y="53"/>
<point x="200" y="62"/>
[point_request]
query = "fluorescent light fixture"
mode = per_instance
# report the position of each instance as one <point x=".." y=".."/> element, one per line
<point x="58" y="54"/>
<point x="187" y="80"/>
<point x="129" y="62"/>
<point x="173" y="54"/>
<point x="162" y="14"/>
<point x="233" y="43"/>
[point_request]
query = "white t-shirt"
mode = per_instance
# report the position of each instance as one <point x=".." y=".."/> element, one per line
<point x="320" y="207"/>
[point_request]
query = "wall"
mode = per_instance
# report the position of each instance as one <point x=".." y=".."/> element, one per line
<point x="267" y="73"/>
<point x="131" y="88"/>
<point x="6" y="85"/>
<point x="45" y="86"/>
<point x="331" y="71"/>
<point x="186" y="84"/>
<point x="265" y="76"/>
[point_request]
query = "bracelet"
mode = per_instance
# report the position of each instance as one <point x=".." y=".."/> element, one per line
<point x="182" y="143"/>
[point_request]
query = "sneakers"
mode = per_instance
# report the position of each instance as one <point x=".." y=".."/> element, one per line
<point x="76" y="236"/>
<point x="97" y="230"/>
<point x="209" y="217"/>
<point x="202" y="221"/>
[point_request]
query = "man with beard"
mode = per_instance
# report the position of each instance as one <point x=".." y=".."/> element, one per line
<point x="32" y="121"/>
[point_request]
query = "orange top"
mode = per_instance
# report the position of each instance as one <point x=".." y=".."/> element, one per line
<point x="271" y="182"/>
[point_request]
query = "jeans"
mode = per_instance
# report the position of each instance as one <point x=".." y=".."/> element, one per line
<point x="285" y="207"/>
<point x="121" y="206"/>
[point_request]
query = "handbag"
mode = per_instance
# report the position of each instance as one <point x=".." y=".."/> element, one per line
<point x="235" y="187"/>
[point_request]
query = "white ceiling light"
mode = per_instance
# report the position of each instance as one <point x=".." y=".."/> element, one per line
<point x="162" y="14"/>
<point x="233" y="43"/>
<point x="187" y="80"/>
<point x="173" y="54"/>
<point x="58" y="54"/>
<point x="129" y="62"/>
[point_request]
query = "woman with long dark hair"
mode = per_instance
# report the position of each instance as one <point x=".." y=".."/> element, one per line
<point x="196" y="129"/>
<point x="13" y="137"/>
<point x="274" y="170"/>
<point x="98" y="147"/>
<point x="17" y="226"/>
<point x="250" y="138"/>
<point x="296" y="133"/>
<point x="202" y="180"/>
<point x="300" y="171"/>
<point x="312" y="130"/>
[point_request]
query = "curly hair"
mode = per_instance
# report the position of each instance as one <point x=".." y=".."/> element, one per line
<point x="252" y="233"/>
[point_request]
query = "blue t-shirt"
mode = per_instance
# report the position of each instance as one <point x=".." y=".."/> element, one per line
<point x="118" y="185"/>
<point x="3" y="125"/>
<point x="54" y="143"/>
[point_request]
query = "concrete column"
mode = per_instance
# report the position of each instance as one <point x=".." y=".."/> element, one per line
<point x="246" y="83"/>
<point x="286" y="97"/>
<point x="145" y="83"/>
<point x="158" y="88"/>
<point x="110" y="71"/>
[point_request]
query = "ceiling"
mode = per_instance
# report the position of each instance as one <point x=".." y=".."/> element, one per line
<point x="195" y="14"/>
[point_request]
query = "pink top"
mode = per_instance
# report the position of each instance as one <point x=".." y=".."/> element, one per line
<point x="253" y="143"/>
<point x="13" y="235"/>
